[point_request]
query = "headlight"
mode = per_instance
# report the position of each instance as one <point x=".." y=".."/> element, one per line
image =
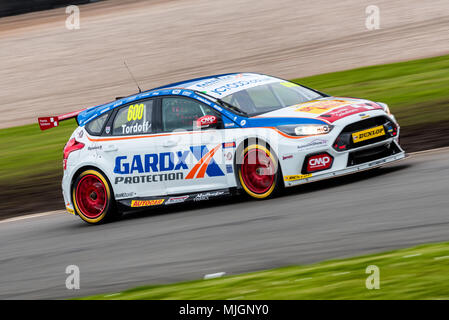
<point x="306" y="129"/>
<point x="385" y="107"/>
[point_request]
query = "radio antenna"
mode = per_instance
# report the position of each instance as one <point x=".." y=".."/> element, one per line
<point x="132" y="76"/>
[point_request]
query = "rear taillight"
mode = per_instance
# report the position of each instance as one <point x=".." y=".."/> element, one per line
<point x="71" y="146"/>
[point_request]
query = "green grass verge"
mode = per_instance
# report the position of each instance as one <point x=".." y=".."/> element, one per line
<point x="416" y="273"/>
<point x="417" y="92"/>
<point x="27" y="151"/>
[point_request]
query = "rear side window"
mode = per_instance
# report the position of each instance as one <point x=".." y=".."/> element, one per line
<point x="95" y="126"/>
<point x="182" y="113"/>
<point x="134" y="119"/>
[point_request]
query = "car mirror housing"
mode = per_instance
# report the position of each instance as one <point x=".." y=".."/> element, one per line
<point x="207" y="121"/>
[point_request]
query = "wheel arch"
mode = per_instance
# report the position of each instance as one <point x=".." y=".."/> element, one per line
<point x="92" y="167"/>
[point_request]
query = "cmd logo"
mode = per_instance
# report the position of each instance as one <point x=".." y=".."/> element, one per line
<point x="319" y="162"/>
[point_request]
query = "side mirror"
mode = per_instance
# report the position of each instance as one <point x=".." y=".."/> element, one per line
<point x="208" y="121"/>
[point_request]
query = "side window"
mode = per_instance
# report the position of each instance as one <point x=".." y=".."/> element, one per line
<point x="182" y="113"/>
<point x="134" y="119"/>
<point x="95" y="126"/>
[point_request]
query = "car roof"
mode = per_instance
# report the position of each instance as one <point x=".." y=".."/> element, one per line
<point x="213" y="86"/>
<point x="224" y="84"/>
<point x="186" y="83"/>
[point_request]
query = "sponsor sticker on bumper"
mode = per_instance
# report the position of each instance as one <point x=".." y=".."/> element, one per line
<point x="179" y="199"/>
<point x="146" y="203"/>
<point x="297" y="177"/>
<point x="368" y="134"/>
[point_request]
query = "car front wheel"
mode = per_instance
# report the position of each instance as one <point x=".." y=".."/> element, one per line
<point x="258" y="171"/>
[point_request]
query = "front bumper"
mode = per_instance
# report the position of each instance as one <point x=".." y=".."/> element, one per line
<point x="347" y="157"/>
<point x="307" y="178"/>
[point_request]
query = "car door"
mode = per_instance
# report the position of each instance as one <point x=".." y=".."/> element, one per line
<point x="131" y="150"/>
<point x="198" y="151"/>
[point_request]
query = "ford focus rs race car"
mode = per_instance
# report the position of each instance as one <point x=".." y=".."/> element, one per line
<point x="217" y="136"/>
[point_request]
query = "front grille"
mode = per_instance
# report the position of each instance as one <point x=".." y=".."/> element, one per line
<point x="368" y="155"/>
<point x="344" y="141"/>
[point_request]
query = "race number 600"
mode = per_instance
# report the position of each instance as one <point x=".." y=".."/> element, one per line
<point x="135" y="112"/>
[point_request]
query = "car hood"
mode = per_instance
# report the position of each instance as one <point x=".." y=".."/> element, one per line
<point x="329" y="109"/>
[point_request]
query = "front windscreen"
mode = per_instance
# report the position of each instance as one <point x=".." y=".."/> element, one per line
<point x="270" y="97"/>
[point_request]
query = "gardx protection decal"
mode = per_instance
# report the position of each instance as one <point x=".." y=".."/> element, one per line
<point x="167" y="165"/>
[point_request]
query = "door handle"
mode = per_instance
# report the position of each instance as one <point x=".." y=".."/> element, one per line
<point x="170" y="143"/>
<point x="111" y="148"/>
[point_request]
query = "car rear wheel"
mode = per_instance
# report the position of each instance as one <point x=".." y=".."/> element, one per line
<point x="259" y="172"/>
<point x="92" y="197"/>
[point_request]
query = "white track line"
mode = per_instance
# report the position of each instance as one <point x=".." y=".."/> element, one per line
<point x="214" y="275"/>
<point x="340" y="273"/>
<point x="302" y="279"/>
<point x="248" y="291"/>
<point x="280" y="282"/>
<point x="429" y="151"/>
<point x="112" y="295"/>
<point x="412" y="255"/>
<point x="30" y="216"/>
<point x="439" y="258"/>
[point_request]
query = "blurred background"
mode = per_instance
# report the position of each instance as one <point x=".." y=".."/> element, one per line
<point x="51" y="62"/>
<point x="9" y="8"/>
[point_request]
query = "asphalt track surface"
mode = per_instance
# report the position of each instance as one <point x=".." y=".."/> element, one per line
<point x="46" y="69"/>
<point x="401" y="205"/>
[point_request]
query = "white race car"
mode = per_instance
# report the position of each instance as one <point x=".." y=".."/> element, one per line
<point x="217" y="136"/>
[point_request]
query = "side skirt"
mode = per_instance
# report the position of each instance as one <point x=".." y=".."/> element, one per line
<point x="143" y="202"/>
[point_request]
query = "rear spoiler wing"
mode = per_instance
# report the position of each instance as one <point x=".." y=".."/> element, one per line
<point x="51" y="122"/>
